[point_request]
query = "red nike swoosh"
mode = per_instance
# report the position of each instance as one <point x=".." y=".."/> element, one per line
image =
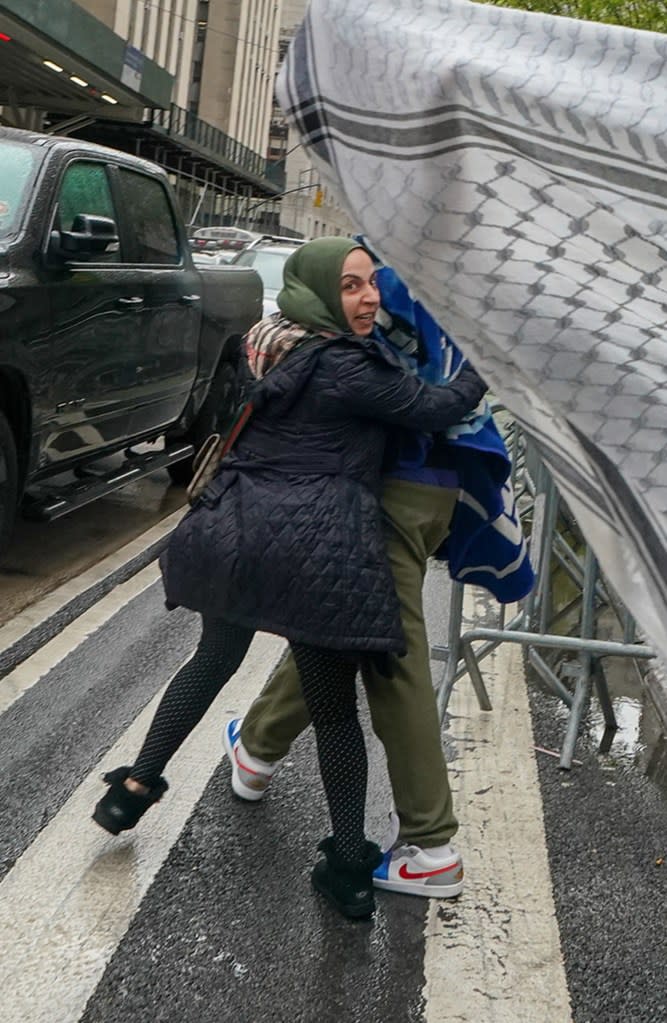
<point x="408" y="876"/>
<point x="245" y="768"/>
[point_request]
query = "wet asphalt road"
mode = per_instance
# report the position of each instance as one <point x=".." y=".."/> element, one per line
<point x="199" y="939"/>
<point x="606" y="824"/>
<point x="200" y="949"/>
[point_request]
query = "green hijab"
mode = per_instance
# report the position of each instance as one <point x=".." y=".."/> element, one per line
<point x="310" y="294"/>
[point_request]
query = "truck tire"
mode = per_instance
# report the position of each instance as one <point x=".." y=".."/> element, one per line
<point x="9" y="483"/>
<point x="215" y="416"/>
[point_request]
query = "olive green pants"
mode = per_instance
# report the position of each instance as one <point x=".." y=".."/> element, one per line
<point x="403" y="708"/>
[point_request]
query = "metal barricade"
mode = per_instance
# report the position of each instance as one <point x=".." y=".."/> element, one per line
<point x="546" y="521"/>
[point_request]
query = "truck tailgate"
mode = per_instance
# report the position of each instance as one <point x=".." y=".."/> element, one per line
<point x="231" y="298"/>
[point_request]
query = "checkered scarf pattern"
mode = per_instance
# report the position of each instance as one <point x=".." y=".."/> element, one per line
<point x="512" y="168"/>
<point x="270" y="340"/>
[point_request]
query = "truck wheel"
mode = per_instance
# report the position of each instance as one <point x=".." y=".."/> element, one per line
<point x="215" y="416"/>
<point x="8" y="484"/>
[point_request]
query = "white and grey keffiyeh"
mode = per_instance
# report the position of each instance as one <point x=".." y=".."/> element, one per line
<point x="512" y="168"/>
<point x="270" y="340"/>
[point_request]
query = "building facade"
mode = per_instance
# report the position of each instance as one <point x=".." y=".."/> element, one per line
<point x="187" y="83"/>
<point x="308" y="209"/>
<point x="164" y="32"/>
<point x="61" y="67"/>
<point x="240" y="66"/>
<point x="223" y="55"/>
<point x="190" y="81"/>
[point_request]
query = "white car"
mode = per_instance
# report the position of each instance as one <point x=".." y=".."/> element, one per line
<point x="267" y="256"/>
<point x="212" y="258"/>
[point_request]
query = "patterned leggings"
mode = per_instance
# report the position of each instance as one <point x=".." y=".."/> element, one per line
<point x="328" y="682"/>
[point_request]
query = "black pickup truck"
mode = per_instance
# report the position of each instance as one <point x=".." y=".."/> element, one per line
<point x="109" y="335"/>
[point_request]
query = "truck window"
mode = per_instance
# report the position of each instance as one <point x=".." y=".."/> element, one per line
<point x="85" y="189"/>
<point x="151" y="218"/>
<point x="18" y="164"/>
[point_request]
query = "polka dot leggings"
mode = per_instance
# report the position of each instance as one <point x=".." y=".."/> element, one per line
<point x="328" y="682"/>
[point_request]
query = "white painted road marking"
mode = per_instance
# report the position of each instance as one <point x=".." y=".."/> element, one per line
<point x="493" y="955"/>
<point x="22" y="678"/>
<point x="70" y="898"/>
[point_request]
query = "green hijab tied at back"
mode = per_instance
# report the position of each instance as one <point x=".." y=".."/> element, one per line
<point x="311" y="284"/>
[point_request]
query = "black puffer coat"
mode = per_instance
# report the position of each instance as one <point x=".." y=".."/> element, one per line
<point x="288" y="538"/>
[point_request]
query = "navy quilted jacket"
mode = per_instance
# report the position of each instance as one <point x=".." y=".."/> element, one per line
<point x="288" y="538"/>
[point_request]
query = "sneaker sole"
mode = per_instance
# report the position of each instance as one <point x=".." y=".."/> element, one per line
<point x="433" y="891"/>
<point x="245" y="793"/>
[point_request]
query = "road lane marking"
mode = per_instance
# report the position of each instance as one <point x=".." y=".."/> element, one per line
<point x="71" y="896"/>
<point x="29" y="672"/>
<point x="489" y="958"/>
<point x="493" y="955"/>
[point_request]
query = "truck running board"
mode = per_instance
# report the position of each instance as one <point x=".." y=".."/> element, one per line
<point x="45" y="504"/>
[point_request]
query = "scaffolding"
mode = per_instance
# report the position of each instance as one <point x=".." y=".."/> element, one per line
<point x="556" y="546"/>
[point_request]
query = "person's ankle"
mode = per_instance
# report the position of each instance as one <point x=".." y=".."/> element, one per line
<point x="136" y="787"/>
<point x="436" y="850"/>
<point x="263" y="761"/>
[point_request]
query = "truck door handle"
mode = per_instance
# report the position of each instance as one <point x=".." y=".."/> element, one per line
<point x="132" y="301"/>
<point x="189" y="299"/>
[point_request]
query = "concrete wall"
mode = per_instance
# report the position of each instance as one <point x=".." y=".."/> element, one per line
<point x="105" y="10"/>
<point x="240" y="58"/>
<point x="220" y="63"/>
<point x="292" y="14"/>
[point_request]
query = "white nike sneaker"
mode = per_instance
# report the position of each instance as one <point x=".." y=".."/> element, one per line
<point x="250" y="776"/>
<point x="415" y="871"/>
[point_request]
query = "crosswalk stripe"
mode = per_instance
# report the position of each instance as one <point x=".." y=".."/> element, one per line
<point x="70" y="898"/>
<point x="493" y="956"/>
<point x="489" y="957"/>
<point x="22" y="678"/>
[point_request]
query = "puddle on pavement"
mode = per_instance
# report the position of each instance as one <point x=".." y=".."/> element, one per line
<point x="639" y="740"/>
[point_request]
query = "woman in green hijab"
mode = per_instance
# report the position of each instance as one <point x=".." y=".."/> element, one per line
<point x="311" y="293"/>
<point x="310" y="303"/>
<point x="288" y="539"/>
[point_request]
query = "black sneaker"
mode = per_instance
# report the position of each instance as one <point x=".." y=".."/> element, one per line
<point x="347" y="885"/>
<point x="119" y="810"/>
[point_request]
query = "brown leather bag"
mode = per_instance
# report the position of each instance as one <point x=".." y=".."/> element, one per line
<point x="207" y="460"/>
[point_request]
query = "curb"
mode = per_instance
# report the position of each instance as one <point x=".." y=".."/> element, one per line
<point x="21" y="637"/>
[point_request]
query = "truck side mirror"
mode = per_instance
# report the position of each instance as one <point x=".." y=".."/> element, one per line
<point x="89" y="235"/>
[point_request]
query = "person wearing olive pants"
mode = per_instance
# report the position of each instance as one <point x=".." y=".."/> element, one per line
<point x="403" y="710"/>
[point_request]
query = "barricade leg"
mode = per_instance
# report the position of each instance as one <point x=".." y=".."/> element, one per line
<point x="531" y="626"/>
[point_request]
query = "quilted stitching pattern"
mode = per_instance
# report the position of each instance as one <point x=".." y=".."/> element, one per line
<point x="302" y="553"/>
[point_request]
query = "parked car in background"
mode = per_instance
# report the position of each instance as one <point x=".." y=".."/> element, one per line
<point x="267" y="255"/>
<point x="232" y="239"/>
<point x="214" y="257"/>
<point x="109" y="335"/>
